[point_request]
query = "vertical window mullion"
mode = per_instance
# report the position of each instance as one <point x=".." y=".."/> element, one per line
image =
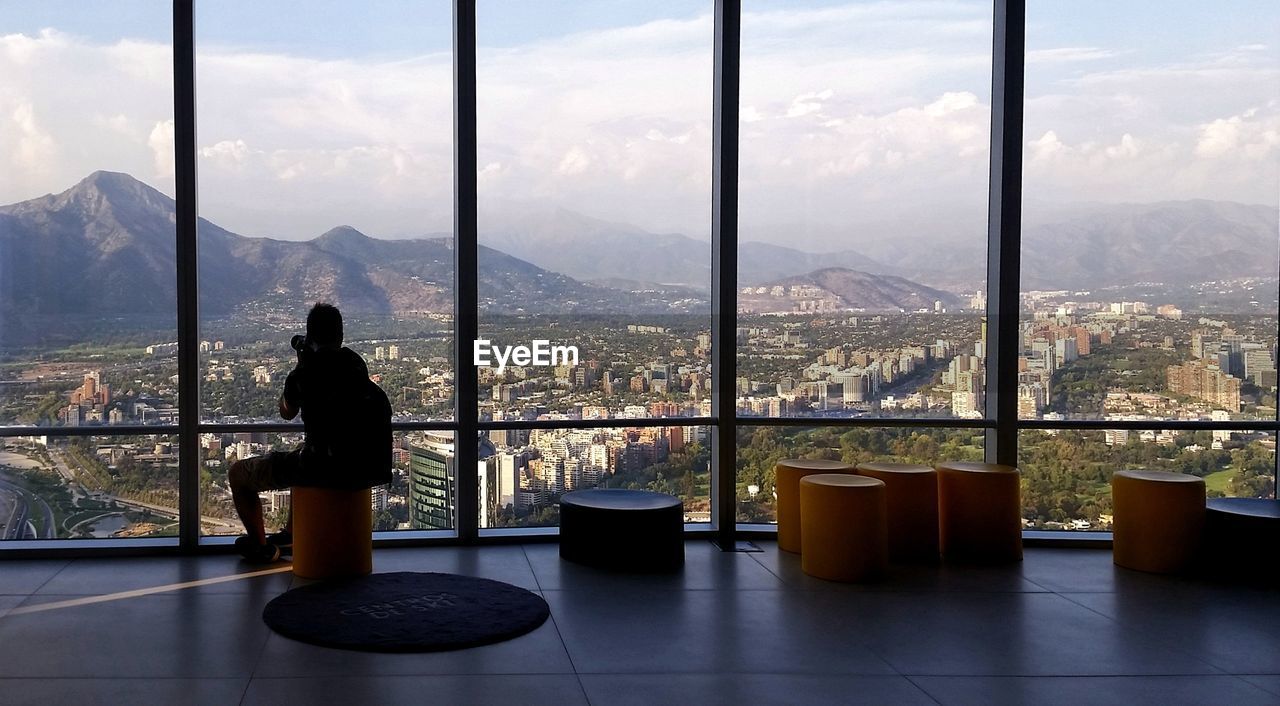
<point x="1004" y="230"/>
<point x="184" y="140"/>
<point x="724" y="264"/>
<point x="466" y="298"/>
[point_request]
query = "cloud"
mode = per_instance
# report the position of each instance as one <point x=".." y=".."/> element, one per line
<point x="1046" y="147"/>
<point x="808" y="103"/>
<point x="226" y="154"/>
<point x="851" y="115"/>
<point x="575" y="162"/>
<point x="1069" y="54"/>
<point x="161" y="143"/>
<point x="1252" y="135"/>
<point x="35" y="148"/>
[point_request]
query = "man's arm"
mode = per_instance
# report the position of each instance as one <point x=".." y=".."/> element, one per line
<point x="289" y="398"/>
<point x="286" y="410"/>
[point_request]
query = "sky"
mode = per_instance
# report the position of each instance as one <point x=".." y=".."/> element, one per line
<point x="860" y="120"/>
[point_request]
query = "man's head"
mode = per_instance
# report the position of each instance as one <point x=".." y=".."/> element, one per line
<point x="324" y="325"/>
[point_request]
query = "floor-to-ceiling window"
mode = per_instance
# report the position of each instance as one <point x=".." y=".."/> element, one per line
<point x="864" y="141"/>
<point x="326" y="174"/>
<point x="594" y="182"/>
<point x="862" y="319"/>
<point x="87" y="294"/>
<point x="1149" y="251"/>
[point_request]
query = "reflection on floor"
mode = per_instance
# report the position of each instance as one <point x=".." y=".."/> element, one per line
<point x="1063" y="627"/>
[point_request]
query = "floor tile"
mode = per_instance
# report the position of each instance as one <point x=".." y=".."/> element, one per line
<point x="1082" y="570"/>
<point x="1268" y="682"/>
<point x="1093" y="571"/>
<point x="112" y="692"/>
<point x="526" y="690"/>
<point x="1009" y="634"/>
<point x="629" y="631"/>
<point x="500" y="563"/>
<point x="7" y="602"/>
<point x="729" y="628"/>
<point x="1102" y="691"/>
<point x="706" y="567"/>
<point x="538" y="652"/>
<point x="755" y="689"/>
<point x="186" y="634"/>
<point x="20" y="576"/>
<point x="905" y="577"/>
<point x="112" y="575"/>
<point x="1236" y="630"/>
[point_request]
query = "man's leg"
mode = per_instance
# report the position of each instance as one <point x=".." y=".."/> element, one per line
<point x="245" y="496"/>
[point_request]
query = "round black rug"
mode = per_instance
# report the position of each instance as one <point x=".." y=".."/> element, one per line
<point x="406" y="612"/>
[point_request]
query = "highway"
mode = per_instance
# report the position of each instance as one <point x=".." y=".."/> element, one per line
<point x="20" y="524"/>
<point x="69" y="475"/>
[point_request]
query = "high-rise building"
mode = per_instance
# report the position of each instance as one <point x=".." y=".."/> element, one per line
<point x="393" y="352"/>
<point x="1257" y="360"/>
<point x="1205" y="381"/>
<point x="431" y="479"/>
<point x="1031" y="400"/>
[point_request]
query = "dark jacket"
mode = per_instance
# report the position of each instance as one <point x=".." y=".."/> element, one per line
<point x="347" y="419"/>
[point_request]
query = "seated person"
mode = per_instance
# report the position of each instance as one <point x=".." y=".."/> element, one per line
<point x="346" y="418"/>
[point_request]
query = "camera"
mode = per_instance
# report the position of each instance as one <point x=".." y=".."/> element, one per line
<point x="299" y="343"/>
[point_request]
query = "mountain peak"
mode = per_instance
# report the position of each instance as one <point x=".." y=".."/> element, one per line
<point x="116" y="189"/>
<point x="343" y="234"/>
<point x="114" y="184"/>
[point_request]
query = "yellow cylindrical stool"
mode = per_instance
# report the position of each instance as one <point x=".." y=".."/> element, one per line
<point x="979" y="512"/>
<point x="332" y="532"/>
<point x="1159" y="517"/>
<point x="844" y="536"/>
<point x="786" y="483"/>
<point x="911" y="493"/>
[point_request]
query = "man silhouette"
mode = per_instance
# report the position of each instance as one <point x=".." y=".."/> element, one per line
<point x="341" y="410"/>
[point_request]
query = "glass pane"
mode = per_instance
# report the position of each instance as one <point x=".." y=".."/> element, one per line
<point x="87" y="240"/>
<point x="594" y="208"/>
<point x="865" y="134"/>
<point x="219" y="451"/>
<point x="89" y="487"/>
<point x="1151" y="193"/>
<point x="760" y="448"/>
<point x="325" y="155"/>
<point x="524" y="472"/>
<point x="1067" y="474"/>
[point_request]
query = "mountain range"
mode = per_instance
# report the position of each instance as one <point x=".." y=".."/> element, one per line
<point x="1080" y="246"/>
<point x="105" y="248"/>
<point x="593" y="249"/>
<point x="106" y="245"/>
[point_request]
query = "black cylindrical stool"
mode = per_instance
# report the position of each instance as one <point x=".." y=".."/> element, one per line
<point x="622" y="530"/>
<point x="1241" y="536"/>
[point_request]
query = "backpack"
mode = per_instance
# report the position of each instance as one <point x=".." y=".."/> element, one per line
<point x="362" y="458"/>
<point x="373" y="428"/>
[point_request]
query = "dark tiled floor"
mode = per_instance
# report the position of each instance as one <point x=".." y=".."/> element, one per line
<point x="1063" y="627"/>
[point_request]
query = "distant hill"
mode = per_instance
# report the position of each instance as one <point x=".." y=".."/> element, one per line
<point x="839" y="288"/>
<point x="592" y="249"/>
<point x="1174" y="242"/>
<point x="1081" y="246"/>
<point x="103" y="252"/>
<point x="105" y="248"/>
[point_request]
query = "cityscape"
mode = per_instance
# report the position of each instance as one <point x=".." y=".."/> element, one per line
<point x="833" y="343"/>
<point x="1081" y="358"/>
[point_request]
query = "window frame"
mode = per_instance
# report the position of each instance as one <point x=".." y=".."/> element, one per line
<point x="1000" y="420"/>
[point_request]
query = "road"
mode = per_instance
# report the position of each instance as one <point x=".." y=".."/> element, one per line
<point x="69" y="475"/>
<point x="20" y="525"/>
